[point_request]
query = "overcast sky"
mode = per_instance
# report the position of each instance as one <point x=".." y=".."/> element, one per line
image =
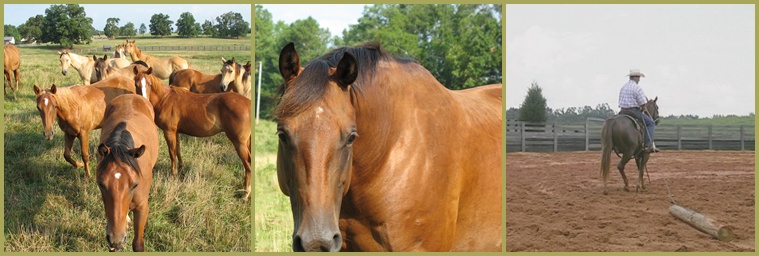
<point x="335" y="17"/>
<point x="698" y="59"/>
<point x="17" y="14"/>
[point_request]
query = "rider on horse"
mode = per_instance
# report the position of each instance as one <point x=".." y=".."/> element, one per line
<point x="632" y="99"/>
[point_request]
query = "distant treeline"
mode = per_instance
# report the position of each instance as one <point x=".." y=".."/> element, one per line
<point x="580" y="114"/>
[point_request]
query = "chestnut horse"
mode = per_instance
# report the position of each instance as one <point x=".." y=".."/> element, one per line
<point x="200" y="115"/>
<point x="236" y="77"/>
<point x="79" y="109"/>
<point x="103" y="70"/>
<point x="377" y="155"/>
<point x="622" y="134"/>
<point x="11" y="66"/>
<point x="127" y="153"/>
<point x="82" y="64"/>
<point x="196" y="81"/>
<point x="163" y="67"/>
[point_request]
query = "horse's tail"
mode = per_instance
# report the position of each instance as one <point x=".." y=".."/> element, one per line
<point x="607" y="144"/>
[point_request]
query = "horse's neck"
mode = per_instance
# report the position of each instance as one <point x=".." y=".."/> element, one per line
<point x="158" y="91"/>
<point x="67" y="103"/>
<point x="78" y="62"/>
<point x="137" y="54"/>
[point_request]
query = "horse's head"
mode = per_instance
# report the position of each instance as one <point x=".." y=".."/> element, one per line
<point x="129" y="46"/>
<point x="143" y="82"/>
<point x="118" y="175"/>
<point x="65" y="61"/>
<point x="46" y="105"/>
<point x="316" y="129"/>
<point x="119" y="53"/>
<point x="230" y="71"/>
<point x="653" y="109"/>
<point x="101" y="67"/>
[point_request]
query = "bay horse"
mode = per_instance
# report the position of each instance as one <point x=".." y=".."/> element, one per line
<point x="236" y="77"/>
<point x="82" y="64"/>
<point x="196" y="81"/>
<point x="79" y="109"/>
<point x="104" y="70"/>
<point x="377" y="155"/>
<point x="178" y="110"/>
<point x="127" y="153"/>
<point x="163" y="66"/>
<point x="622" y="134"/>
<point x="11" y="66"/>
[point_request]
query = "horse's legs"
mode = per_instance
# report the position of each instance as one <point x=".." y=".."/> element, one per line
<point x="641" y="161"/>
<point x="243" y="151"/>
<point x="67" y="145"/>
<point x="140" y="218"/>
<point x="84" y="142"/>
<point x="17" y="76"/>
<point x="179" y="153"/>
<point x="171" y="137"/>
<point x="621" y="167"/>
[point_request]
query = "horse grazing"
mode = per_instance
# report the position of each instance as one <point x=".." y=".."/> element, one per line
<point x="163" y="67"/>
<point x="11" y="66"/>
<point x="377" y="155"/>
<point x="82" y="64"/>
<point x="623" y="134"/>
<point x="103" y="70"/>
<point x="79" y="109"/>
<point x="127" y="153"/>
<point x="236" y="77"/>
<point x="201" y="115"/>
<point x="196" y="81"/>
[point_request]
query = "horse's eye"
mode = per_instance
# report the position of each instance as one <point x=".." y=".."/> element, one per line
<point x="352" y="138"/>
<point x="134" y="186"/>
<point x="282" y="136"/>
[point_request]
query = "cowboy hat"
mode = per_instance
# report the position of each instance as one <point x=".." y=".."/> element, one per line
<point x="636" y="72"/>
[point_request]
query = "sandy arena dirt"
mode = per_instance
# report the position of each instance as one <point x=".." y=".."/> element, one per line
<point x="555" y="202"/>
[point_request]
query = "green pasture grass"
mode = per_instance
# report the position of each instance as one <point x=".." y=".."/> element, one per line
<point x="274" y="221"/>
<point x="160" y="41"/>
<point x="50" y="206"/>
<point x="716" y="121"/>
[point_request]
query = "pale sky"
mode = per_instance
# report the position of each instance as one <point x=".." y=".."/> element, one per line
<point x="17" y="14"/>
<point x="335" y="17"/>
<point x="698" y="59"/>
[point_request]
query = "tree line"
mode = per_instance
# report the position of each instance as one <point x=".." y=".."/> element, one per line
<point x="68" y="25"/>
<point x="459" y="44"/>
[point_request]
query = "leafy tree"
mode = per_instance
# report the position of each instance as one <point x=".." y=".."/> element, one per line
<point x="32" y="28"/>
<point x="66" y="25"/>
<point x="459" y="44"/>
<point x="208" y="28"/>
<point x="10" y="30"/>
<point x="186" y="26"/>
<point x="231" y="24"/>
<point x="128" y="30"/>
<point x="160" y="25"/>
<point x="143" y="29"/>
<point x="111" y="28"/>
<point x="533" y="108"/>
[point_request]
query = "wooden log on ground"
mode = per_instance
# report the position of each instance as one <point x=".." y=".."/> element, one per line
<point x="712" y="227"/>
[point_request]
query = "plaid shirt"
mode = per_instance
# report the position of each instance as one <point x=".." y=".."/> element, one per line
<point x="631" y="95"/>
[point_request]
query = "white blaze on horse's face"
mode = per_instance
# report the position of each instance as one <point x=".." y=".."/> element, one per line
<point x="117" y="175"/>
<point x="144" y="88"/>
<point x="46" y="101"/>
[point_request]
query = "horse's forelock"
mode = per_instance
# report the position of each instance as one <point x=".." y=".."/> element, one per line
<point x="120" y="141"/>
<point x="307" y="88"/>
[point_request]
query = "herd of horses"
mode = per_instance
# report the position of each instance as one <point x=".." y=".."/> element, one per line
<point x="128" y="101"/>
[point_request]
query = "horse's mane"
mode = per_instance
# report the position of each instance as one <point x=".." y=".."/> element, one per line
<point x="120" y="141"/>
<point x="65" y="96"/>
<point x="311" y="81"/>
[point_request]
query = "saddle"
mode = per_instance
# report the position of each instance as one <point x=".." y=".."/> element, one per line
<point x="638" y="121"/>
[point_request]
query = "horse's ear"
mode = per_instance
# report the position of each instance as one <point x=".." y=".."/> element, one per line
<point x="105" y="57"/>
<point x="223" y="60"/>
<point x="247" y="67"/>
<point x="60" y="53"/>
<point x="289" y="62"/>
<point x="657" y="98"/>
<point x="95" y="57"/>
<point x="136" y="70"/>
<point x="37" y="90"/>
<point x="150" y="71"/>
<point x="346" y="71"/>
<point x="233" y="59"/>
<point x="137" y="152"/>
<point x="103" y="149"/>
<point x="53" y="89"/>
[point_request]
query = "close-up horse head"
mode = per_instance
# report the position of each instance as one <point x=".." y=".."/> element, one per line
<point x="46" y="105"/>
<point x="316" y="128"/>
<point x="65" y="59"/>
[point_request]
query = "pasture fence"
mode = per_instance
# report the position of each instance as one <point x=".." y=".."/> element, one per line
<point x="167" y="48"/>
<point x="579" y="136"/>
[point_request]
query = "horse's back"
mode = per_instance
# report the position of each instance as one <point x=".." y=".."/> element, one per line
<point x="115" y="86"/>
<point x="11" y="58"/>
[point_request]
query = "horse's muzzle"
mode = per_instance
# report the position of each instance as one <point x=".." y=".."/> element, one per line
<point x="64" y="72"/>
<point x="222" y="88"/>
<point x="331" y="243"/>
<point x="115" y="246"/>
<point x="48" y="135"/>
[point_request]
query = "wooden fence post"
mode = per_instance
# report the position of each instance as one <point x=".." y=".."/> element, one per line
<point x="742" y="142"/>
<point x="555" y="137"/>
<point x="587" y="136"/>
<point x="679" y="139"/>
<point x="521" y="134"/>
<point x="710" y="137"/>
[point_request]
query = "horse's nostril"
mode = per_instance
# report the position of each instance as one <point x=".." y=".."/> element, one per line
<point x="337" y="242"/>
<point x="298" y="244"/>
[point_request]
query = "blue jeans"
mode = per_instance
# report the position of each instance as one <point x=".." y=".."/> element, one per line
<point x="648" y="139"/>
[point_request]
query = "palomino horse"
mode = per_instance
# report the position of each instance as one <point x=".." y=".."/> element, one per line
<point x="235" y="75"/>
<point x="119" y="52"/>
<point x="118" y="62"/>
<point x="163" y="67"/>
<point x="79" y="109"/>
<point x="84" y="65"/>
<point x="11" y="66"/>
<point x="376" y="155"/>
<point x="127" y="153"/>
<point x="623" y="135"/>
<point x="103" y="70"/>
<point x="196" y="81"/>
<point x="201" y="115"/>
